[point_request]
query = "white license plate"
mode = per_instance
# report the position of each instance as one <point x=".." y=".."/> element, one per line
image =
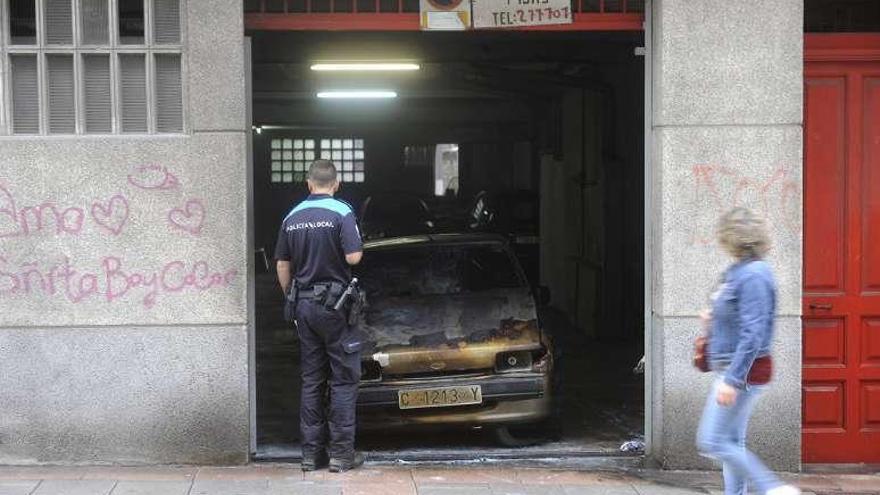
<point x="440" y="397"/>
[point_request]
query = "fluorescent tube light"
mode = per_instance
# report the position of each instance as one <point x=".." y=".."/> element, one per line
<point x="365" y="66"/>
<point x="357" y="94"/>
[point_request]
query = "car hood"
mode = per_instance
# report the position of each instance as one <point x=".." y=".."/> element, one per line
<point x="425" y="334"/>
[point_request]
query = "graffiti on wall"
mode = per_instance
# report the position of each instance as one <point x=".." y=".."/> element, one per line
<point x="716" y="188"/>
<point x="112" y="279"/>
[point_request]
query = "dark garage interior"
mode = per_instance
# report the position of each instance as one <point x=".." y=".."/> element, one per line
<point x="534" y="138"/>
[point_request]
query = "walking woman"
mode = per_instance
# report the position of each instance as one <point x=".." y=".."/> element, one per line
<point x="740" y="331"/>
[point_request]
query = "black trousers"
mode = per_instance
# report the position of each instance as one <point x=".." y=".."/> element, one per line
<point x="327" y="361"/>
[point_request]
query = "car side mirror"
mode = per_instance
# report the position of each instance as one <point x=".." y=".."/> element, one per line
<point x="542" y="295"/>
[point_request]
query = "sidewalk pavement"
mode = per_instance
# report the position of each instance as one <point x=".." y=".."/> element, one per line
<point x="287" y="479"/>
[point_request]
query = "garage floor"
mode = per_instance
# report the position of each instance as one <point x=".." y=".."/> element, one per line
<point x="602" y="401"/>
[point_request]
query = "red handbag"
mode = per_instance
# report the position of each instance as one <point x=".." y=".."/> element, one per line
<point x="701" y="354"/>
<point x="761" y="372"/>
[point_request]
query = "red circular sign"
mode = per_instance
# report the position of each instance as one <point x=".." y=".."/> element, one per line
<point x="445" y="4"/>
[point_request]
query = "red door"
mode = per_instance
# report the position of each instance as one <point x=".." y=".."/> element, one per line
<point x="841" y="325"/>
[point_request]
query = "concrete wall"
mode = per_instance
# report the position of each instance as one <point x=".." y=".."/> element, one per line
<point x="727" y="130"/>
<point x="123" y="334"/>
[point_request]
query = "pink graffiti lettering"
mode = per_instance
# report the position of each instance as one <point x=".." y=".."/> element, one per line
<point x="9" y="214"/>
<point x="34" y="219"/>
<point x="112" y="282"/>
<point x="111" y="215"/>
<point x="87" y="286"/>
<point x="190" y="218"/>
<point x="153" y="177"/>
<point x="49" y="217"/>
<point x="717" y="188"/>
<point x="67" y="221"/>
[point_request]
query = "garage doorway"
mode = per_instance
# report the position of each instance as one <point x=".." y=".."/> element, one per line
<point x="535" y="138"/>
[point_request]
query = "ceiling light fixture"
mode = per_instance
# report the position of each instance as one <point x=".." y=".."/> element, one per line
<point x="357" y="94"/>
<point x="364" y="66"/>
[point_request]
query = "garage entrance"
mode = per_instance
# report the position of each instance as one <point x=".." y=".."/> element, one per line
<point x="527" y="144"/>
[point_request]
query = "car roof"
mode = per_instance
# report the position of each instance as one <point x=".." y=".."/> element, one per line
<point x="436" y="240"/>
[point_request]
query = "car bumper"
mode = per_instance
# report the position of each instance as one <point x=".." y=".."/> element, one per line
<point x="508" y="398"/>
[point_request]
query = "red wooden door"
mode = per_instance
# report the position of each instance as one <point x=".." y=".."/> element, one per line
<point x="841" y="304"/>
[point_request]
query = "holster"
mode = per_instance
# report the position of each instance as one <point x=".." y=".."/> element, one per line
<point x="334" y="291"/>
<point x="290" y="300"/>
<point x="356" y="307"/>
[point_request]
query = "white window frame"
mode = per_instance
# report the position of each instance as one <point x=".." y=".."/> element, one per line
<point x="113" y="49"/>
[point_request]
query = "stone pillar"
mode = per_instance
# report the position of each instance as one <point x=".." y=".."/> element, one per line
<point x="124" y="274"/>
<point x="726" y="131"/>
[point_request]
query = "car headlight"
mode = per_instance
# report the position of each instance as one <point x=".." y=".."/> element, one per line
<point x="513" y="361"/>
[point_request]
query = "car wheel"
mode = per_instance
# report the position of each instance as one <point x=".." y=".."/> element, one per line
<point x="519" y="436"/>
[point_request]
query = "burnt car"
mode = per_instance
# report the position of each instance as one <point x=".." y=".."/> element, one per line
<point x="514" y="214"/>
<point x="455" y="337"/>
<point x="392" y="214"/>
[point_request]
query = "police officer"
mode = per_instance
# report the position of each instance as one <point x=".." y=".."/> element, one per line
<point x="318" y="242"/>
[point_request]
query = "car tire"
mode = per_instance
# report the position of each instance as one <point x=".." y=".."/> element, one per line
<point x="518" y="436"/>
<point x="527" y="435"/>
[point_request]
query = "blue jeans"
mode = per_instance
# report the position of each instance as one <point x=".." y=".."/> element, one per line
<point x="722" y="436"/>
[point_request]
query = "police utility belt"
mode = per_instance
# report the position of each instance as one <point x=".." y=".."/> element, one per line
<point x="333" y="296"/>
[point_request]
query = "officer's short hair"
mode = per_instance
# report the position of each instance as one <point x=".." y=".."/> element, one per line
<point x="322" y="173"/>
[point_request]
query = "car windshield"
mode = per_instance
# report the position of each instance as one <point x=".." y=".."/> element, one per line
<point x="437" y="270"/>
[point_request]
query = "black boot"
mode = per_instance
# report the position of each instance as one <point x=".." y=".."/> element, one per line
<point x="313" y="462"/>
<point x="343" y="464"/>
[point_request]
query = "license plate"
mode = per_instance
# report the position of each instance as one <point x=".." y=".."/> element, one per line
<point x="440" y="397"/>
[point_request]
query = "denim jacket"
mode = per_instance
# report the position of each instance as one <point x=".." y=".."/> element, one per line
<point x="742" y="320"/>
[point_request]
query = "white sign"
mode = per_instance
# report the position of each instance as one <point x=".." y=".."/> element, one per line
<point x="490" y="14"/>
<point x="445" y="15"/>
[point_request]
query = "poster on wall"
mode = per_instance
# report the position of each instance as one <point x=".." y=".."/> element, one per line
<point x="493" y="14"/>
<point x="445" y="15"/>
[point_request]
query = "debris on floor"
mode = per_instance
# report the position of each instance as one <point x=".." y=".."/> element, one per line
<point x="639" y="369"/>
<point x="633" y="446"/>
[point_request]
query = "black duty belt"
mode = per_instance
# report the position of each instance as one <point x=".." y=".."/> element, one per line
<point x="310" y="294"/>
<point x="314" y="292"/>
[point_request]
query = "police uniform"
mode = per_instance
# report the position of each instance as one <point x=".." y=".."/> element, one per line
<point x="315" y="237"/>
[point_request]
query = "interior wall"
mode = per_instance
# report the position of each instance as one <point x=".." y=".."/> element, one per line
<point x="623" y="312"/>
<point x="592" y="206"/>
<point x="572" y="216"/>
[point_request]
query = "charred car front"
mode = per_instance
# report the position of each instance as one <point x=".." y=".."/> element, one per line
<point x="455" y="335"/>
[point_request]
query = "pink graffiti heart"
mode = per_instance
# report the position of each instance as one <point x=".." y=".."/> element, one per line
<point x="153" y="177"/>
<point x="190" y="218"/>
<point x="111" y="215"/>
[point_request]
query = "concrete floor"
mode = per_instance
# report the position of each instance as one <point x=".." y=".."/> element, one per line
<point x="601" y="400"/>
<point x="287" y="479"/>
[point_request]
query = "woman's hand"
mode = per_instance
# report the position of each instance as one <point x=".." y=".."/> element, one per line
<point x="726" y="395"/>
<point x="706" y="319"/>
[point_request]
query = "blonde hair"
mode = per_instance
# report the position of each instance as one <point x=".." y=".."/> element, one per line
<point x="743" y="234"/>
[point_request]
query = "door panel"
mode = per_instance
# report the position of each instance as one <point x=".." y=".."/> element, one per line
<point x="825" y="407"/>
<point x="825" y="232"/>
<point x="825" y="343"/>
<point x="871" y="183"/>
<point x="871" y="406"/>
<point x="841" y="325"/>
